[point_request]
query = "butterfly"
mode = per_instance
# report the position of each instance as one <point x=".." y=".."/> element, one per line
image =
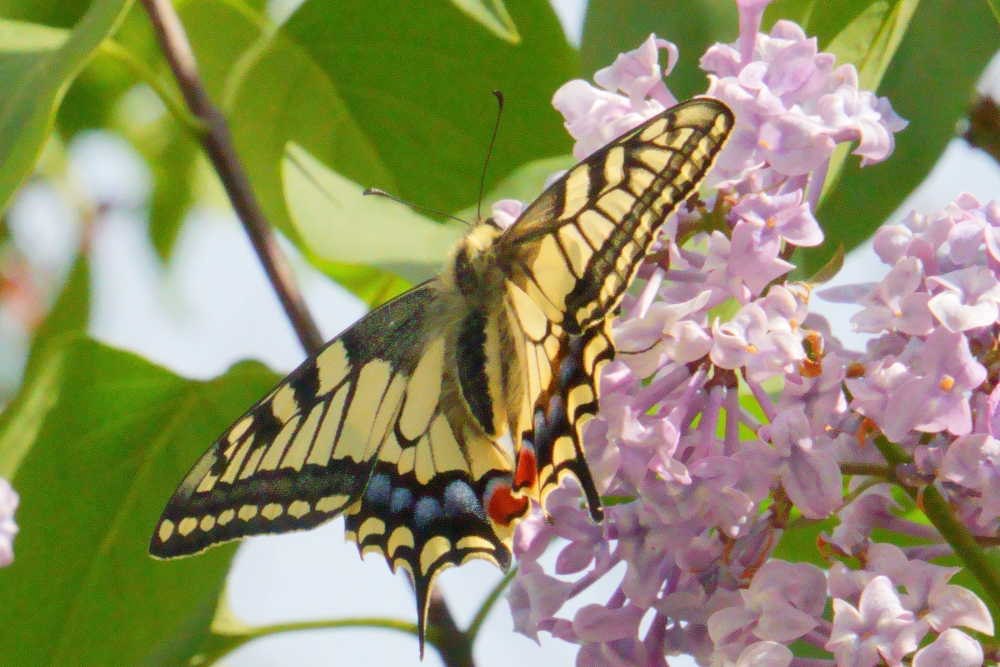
<point x="434" y="421"/>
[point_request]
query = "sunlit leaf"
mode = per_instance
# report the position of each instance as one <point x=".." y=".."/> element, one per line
<point x="339" y="224"/>
<point x="493" y="15"/>
<point x="37" y="64"/>
<point x="421" y="137"/>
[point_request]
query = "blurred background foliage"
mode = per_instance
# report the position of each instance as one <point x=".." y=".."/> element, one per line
<point x="323" y="98"/>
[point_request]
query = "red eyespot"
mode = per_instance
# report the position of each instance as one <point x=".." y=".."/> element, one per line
<point x="527" y="469"/>
<point x="503" y="507"/>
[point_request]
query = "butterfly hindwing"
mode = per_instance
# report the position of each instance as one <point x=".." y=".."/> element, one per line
<point x="565" y="407"/>
<point x="576" y="248"/>
<point x="305" y="452"/>
<point x="431" y="515"/>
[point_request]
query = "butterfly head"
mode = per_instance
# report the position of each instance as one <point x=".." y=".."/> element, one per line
<point x="472" y="262"/>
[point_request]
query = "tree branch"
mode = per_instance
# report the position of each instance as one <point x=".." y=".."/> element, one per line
<point x="218" y="144"/>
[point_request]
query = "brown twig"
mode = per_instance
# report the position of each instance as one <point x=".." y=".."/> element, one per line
<point x="218" y="144"/>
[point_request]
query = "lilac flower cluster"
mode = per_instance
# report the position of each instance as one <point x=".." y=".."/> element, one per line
<point x="731" y="416"/>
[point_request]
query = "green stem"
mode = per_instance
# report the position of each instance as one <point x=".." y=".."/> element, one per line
<point x="227" y="643"/>
<point x="145" y="73"/>
<point x="870" y="469"/>
<point x="487" y="605"/>
<point x="936" y="508"/>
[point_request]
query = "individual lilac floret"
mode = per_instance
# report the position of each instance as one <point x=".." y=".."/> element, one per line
<point x="953" y="648"/>
<point x="927" y="592"/>
<point x="8" y="528"/>
<point x="963" y="234"/>
<point x="925" y="389"/>
<point x="967" y="298"/>
<point x="778" y="218"/>
<point x="784" y="602"/>
<point x="973" y="464"/>
<point x="897" y="303"/>
<point x="879" y="630"/>
<point x="809" y="471"/>
<point x="764" y="336"/>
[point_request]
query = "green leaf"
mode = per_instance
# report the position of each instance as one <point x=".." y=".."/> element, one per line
<point x="930" y="87"/>
<point x="173" y="170"/>
<point x="614" y="26"/>
<point x="61" y="14"/>
<point x="422" y="136"/>
<point x="340" y="224"/>
<point x="871" y="39"/>
<point x="798" y="543"/>
<point x="21" y="419"/>
<point x="527" y="181"/>
<point x="494" y="17"/>
<point x="36" y="66"/>
<point x="115" y="437"/>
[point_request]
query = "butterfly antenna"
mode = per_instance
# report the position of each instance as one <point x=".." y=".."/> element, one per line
<point x="489" y="153"/>
<point x="382" y="193"/>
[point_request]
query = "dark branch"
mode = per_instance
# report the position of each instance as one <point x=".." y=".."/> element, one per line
<point x="218" y="144"/>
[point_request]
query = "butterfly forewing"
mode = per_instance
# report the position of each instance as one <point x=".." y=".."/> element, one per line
<point x="576" y="248"/>
<point x="306" y="451"/>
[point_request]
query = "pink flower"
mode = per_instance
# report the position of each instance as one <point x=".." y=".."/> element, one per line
<point x="878" y="630"/>
<point x="953" y="648"/>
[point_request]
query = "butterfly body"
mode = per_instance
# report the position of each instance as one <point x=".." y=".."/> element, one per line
<point x="434" y="421"/>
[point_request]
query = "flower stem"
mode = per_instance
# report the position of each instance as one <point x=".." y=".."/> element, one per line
<point x="488" y="602"/>
<point x="224" y="644"/>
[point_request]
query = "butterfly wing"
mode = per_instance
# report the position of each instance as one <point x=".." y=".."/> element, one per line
<point x="370" y="427"/>
<point x="570" y="257"/>
<point x="425" y="507"/>
<point x="306" y="451"/>
<point x="576" y="248"/>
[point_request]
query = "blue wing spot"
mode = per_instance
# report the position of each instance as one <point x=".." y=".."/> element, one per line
<point x="556" y="412"/>
<point x="378" y="493"/>
<point x="568" y="369"/>
<point x="459" y="499"/>
<point x="401" y="501"/>
<point x="427" y="512"/>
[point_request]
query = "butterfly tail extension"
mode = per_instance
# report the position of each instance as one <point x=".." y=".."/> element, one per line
<point x="437" y="513"/>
